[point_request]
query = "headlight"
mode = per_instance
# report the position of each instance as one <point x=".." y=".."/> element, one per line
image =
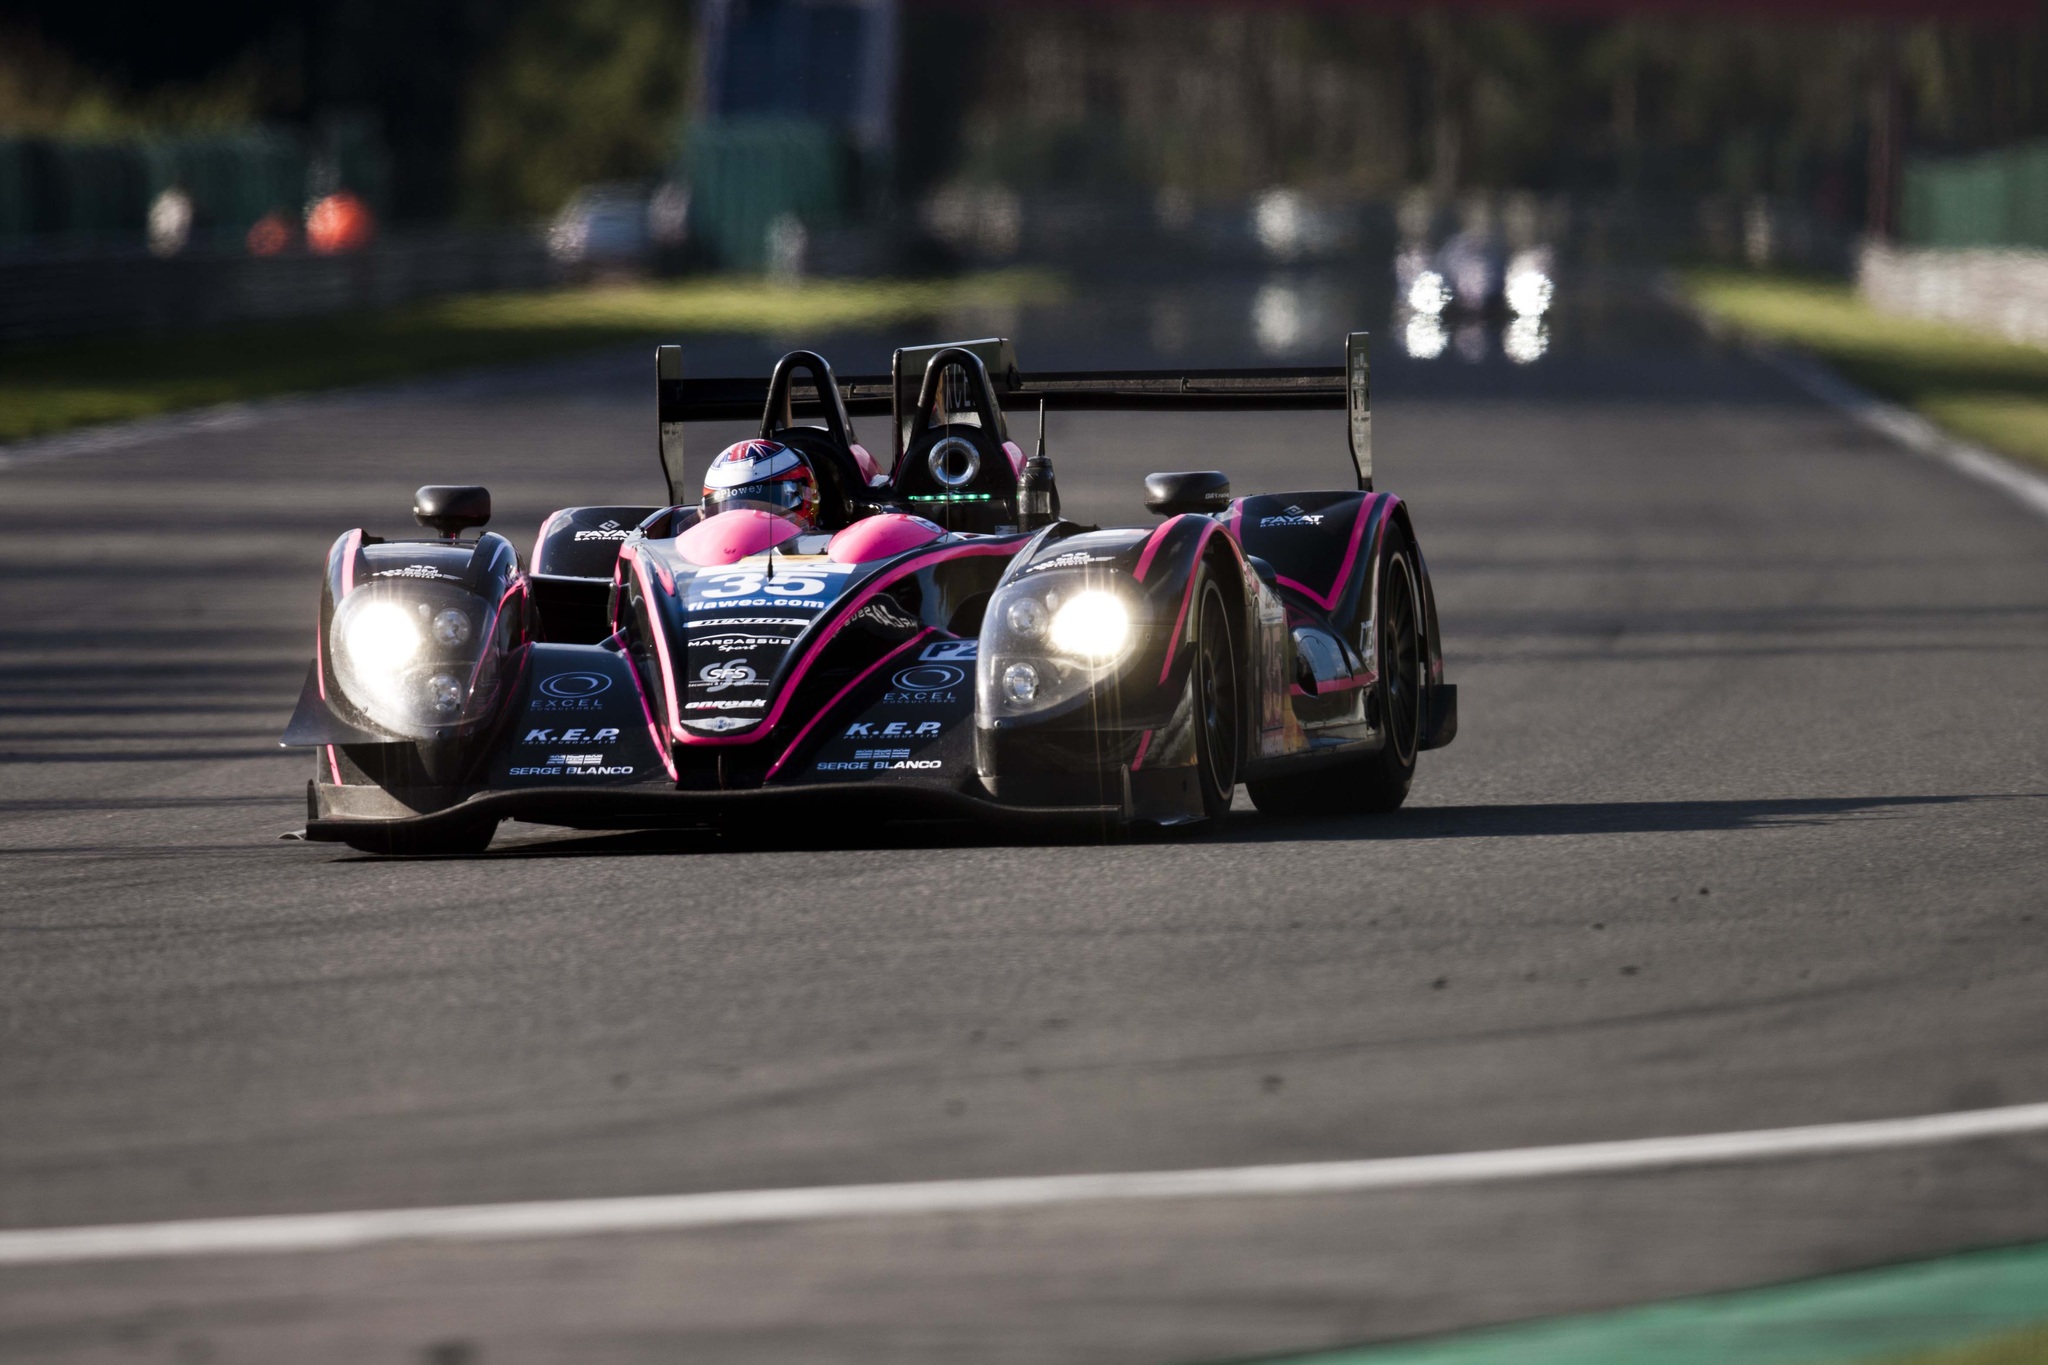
<point x="1094" y="626"/>
<point x="1044" y="644"/>
<point x="406" y="656"/>
<point x="380" y="639"/>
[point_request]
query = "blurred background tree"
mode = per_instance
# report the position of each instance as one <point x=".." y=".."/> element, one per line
<point x="575" y="91"/>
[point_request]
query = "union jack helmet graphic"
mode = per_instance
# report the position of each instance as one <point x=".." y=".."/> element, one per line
<point x="766" y="475"/>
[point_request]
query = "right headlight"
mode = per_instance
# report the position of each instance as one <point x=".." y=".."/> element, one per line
<point x="1044" y="644"/>
<point x="408" y="655"/>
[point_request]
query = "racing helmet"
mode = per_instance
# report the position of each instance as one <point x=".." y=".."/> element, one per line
<point x="766" y="475"/>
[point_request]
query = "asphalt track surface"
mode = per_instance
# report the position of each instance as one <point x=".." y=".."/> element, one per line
<point x="1744" y="829"/>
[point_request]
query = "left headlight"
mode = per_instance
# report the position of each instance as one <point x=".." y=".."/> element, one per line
<point x="1047" y="643"/>
<point x="407" y="655"/>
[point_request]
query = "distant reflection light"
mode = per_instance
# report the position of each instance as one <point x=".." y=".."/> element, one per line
<point x="1429" y="294"/>
<point x="1425" y="336"/>
<point x="1529" y="294"/>
<point x="1279" y="318"/>
<point x="1525" y="340"/>
<point x="1471" y="343"/>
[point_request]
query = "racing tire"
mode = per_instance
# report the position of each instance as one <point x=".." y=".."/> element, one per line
<point x="1379" y="782"/>
<point x="1219" y="713"/>
<point x="419" y="843"/>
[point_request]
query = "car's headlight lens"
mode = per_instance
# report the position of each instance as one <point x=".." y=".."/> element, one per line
<point x="451" y="628"/>
<point x="407" y="656"/>
<point x="1027" y="617"/>
<point x="381" y="639"/>
<point x="1092" y="625"/>
<point x="1020" y="684"/>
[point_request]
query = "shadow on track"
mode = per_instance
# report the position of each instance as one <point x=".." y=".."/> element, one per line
<point x="1416" y="822"/>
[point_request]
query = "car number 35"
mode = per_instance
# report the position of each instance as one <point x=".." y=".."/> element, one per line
<point x="749" y="584"/>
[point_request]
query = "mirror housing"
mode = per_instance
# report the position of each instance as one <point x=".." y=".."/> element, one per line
<point x="451" y="508"/>
<point x="1172" y="493"/>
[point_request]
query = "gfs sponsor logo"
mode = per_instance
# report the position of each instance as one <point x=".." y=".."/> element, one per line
<point x="724" y="673"/>
<point x="1293" y="516"/>
<point x="571" y="692"/>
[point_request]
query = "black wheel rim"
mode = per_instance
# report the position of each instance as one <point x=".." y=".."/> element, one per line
<point x="1401" y="659"/>
<point x="1216" y="694"/>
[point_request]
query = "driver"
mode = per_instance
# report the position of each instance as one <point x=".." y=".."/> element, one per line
<point x="766" y="475"/>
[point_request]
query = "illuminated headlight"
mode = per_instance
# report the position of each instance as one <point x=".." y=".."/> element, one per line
<point x="1092" y="625"/>
<point x="406" y="656"/>
<point x="380" y="639"/>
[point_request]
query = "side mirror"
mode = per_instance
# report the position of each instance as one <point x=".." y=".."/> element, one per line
<point x="1202" y="490"/>
<point x="451" y="508"/>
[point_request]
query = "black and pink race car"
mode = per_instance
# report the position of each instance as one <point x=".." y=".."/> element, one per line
<point x="929" y="637"/>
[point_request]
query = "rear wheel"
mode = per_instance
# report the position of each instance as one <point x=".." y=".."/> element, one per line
<point x="415" y="842"/>
<point x="1217" y="709"/>
<point x="1378" y="782"/>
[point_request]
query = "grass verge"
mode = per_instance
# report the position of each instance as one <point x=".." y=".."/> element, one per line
<point x="49" y="388"/>
<point x="1983" y="389"/>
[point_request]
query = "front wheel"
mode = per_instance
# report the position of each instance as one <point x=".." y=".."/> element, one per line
<point x="1217" y="710"/>
<point x="1378" y="782"/>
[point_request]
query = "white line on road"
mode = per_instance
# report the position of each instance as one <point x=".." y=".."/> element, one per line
<point x="583" y="1217"/>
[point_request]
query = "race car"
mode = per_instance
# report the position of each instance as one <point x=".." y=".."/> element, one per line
<point x="927" y="637"/>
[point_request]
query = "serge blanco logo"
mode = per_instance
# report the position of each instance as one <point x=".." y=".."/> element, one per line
<point x="725" y="673"/>
<point x="611" y="530"/>
<point x="1293" y="516"/>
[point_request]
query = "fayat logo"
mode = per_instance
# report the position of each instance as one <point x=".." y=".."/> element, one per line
<point x="724" y="673"/>
<point x="1293" y="516"/>
<point x="611" y="530"/>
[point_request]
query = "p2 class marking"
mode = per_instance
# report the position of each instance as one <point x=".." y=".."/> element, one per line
<point x="643" y="1213"/>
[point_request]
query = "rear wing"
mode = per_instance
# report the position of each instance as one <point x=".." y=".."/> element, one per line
<point x="1348" y="386"/>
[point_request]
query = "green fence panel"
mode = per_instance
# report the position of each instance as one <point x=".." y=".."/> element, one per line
<point x="746" y="173"/>
<point x="1992" y="199"/>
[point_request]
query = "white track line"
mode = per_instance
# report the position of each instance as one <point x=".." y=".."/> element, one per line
<point x="583" y="1217"/>
<point x="1895" y="423"/>
<point x="1909" y="429"/>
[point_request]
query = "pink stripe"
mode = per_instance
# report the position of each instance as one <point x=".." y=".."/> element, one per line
<point x="810" y="655"/>
<point x="668" y="759"/>
<point x="1152" y="544"/>
<point x="1187" y="595"/>
<point x="656" y="628"/>
<point x="348" y="561"/>
<point x="333" y="765"/>
<point x="1344" y="569"/>
<point x="1144" y="743"/>
<point x="839" y="696"/>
